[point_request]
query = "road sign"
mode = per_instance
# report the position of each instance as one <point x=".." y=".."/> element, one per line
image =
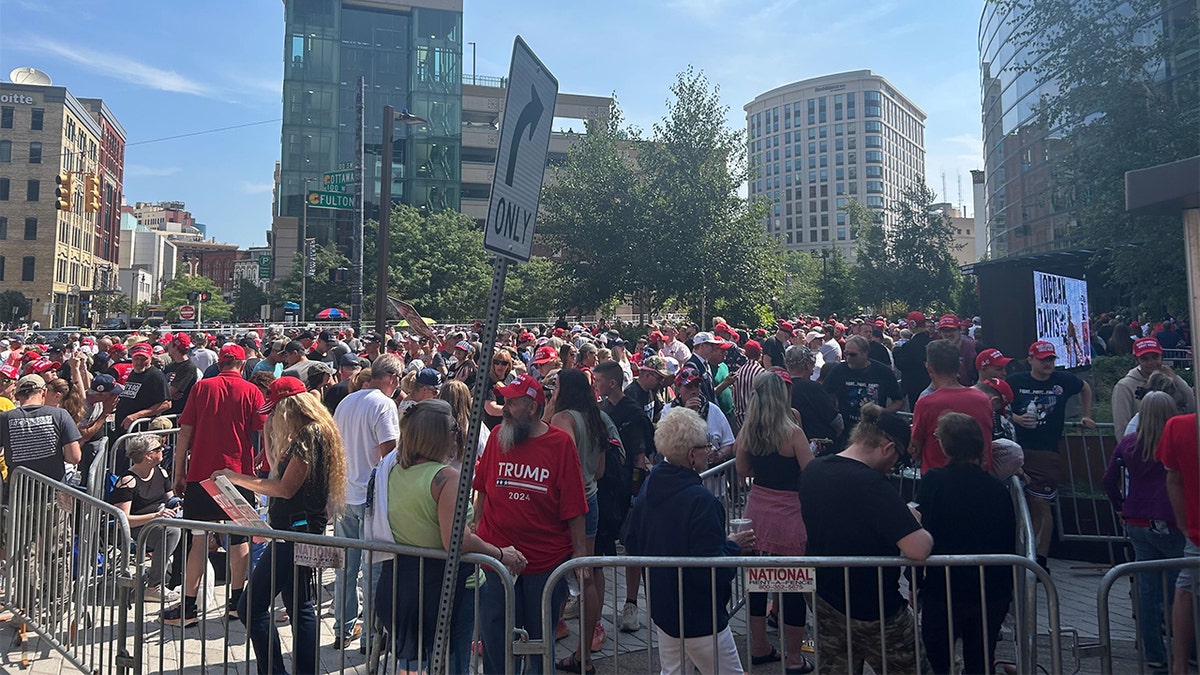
<point x="521" y="157"/>
<point x="264" y="265"/>
<point x="310" y="257"/>
<point x="337" y="179"/>
<point x="331" y="200"/>
<point x="346" y="165"/>
<point x="187" y="313"/>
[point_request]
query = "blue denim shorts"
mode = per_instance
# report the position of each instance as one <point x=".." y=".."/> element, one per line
<point x="1188" y="579"/>
<point x="591" y="521"/>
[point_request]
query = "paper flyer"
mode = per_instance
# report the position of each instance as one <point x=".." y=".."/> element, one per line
<point x="234" y="504"/>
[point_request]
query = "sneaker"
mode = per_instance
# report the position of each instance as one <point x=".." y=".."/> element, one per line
<point x="344" y="641"/>
<point x="629" y="619"/>
<point x="160" y="594"/>
<point x="599" y="635"/>
<point x="175" y="616"/>
<point x="571" y="609"/>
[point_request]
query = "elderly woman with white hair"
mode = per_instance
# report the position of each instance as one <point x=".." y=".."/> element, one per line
<point x="675" y="515"/>
<point x="144" y="493"/>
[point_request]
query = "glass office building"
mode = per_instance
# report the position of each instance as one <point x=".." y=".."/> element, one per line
<point x="816" y="144"/>
<point x="1028" y="209"/>
<point x="410" y="54"/>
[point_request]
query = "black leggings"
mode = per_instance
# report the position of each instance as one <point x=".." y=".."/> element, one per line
<point x="795" y="610"/>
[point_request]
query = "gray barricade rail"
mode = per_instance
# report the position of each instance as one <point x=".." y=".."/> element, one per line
<point x="107" y="460"/>
<point x="69" y="564"/>
<point x="1082" y="511"/>
<point x="1021" y="567"/>
<point x="1160" y="579"/>
<point x="157" y="647"/>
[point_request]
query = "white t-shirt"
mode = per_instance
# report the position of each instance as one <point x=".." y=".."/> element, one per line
<point x="365" y="419"/>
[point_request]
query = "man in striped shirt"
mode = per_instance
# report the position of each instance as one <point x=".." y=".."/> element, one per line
<point x="743" y="380"/>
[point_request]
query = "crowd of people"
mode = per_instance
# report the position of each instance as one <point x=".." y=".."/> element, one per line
<point x="594" y="439"/>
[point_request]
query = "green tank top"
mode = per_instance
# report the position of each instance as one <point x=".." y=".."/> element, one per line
<point x="412" y="513"/>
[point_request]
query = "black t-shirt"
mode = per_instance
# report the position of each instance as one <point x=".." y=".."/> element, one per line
<point x="910" y="361"/>
<point x="816" y="409"/>
<point x="335" y="394"/>
<point x="875" y="383"/>
<point x="144" y="496"/>
<point x="968" y="511"/>
<point x="33" y="436"/>
<point x="635" y="429"/>
<point x="850" y="509"/>
<point x="773" y="348"/>
<point x="305" y="510"/>
<point x="878" y="352"/>
<point x="142" y="390"/>
<point x="181" y="376"/>
<point x="1049" y="401"/>
<point x="646" y="401"/>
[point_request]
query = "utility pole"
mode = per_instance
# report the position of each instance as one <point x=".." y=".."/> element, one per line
<point x="356" y="253"/>
<point x="385" y="211"/>
<point x="304" y="248"/>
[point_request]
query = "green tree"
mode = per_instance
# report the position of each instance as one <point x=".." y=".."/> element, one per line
<point x="435" y="262"/>
<point x="1117" y="101"/>
<point x="839" y="288"/>
<point x="322" y="290"/>
<point x="248" y="300"/>
<point x="707" y="241"/>
<point x="920" y="243"/>
<point x="110" y="304"/>
<point x="875" y="271"/>
<point x="534" y="289"/>
<point x="593" y="216"/>
<point x="175" y="295"/>
<point x="801" y="290"/>
<point x="14" y="307"/>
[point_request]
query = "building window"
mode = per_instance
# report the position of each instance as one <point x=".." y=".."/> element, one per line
<point x="3" y="189"/>
<point x="6" y="117"/>
<point x="36" y="118"/>
<point x="1" y="268"/>
<point x="28" y="266"/>
<point x="3" y="228"/>
<point x="35" y="152"/>
<point x="33" y="190"/>
<point x="31" y="229"/>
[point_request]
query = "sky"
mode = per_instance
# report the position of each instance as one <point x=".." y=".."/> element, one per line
<point x="168" y="70"/>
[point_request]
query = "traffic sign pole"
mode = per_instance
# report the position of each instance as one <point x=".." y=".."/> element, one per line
<point x="524" y="142"/>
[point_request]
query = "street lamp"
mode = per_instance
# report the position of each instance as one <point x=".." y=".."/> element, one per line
<point x="304" y="248"/>
<point x="390" y="117"/>
<point x="823" y="254"/>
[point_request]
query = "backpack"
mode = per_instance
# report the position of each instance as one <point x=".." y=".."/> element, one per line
<point x="614" y="486"/>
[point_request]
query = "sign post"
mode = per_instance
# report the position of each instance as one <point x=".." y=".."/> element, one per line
<point x="512" y="213"/>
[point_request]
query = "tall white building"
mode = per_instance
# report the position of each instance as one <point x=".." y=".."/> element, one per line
<point x="817" y="143"/>
<point x="144" y="249"/>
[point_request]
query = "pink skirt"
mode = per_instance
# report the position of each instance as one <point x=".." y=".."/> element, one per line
<point x="778" y="525"/>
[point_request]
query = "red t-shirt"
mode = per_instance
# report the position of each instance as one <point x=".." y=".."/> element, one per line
<point x="530" y="492"/>
<point x="925" y="420"/>
<point x="1177" y="451"/>
<point x="222" y="411"/>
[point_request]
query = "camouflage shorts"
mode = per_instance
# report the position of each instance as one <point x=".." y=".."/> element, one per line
<point x="895" y="643"/>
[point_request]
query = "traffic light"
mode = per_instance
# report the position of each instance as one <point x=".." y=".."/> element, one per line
<point x="62" y="193"/>
<point x="191" y="296"/>
<point x="205" y="296"/>
<point x="91" y="193"/>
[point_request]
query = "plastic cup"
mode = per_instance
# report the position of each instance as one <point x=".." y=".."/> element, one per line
<point x="740" y="525"/>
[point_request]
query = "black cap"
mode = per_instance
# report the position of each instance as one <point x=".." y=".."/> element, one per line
<point x="899" y="430"/>
<point x="372" y="337"/>
<point x="294" y="346"/>
<point x="350" y="360"/>
<point x="306" y="335"/>
<point x="327" y="336"/>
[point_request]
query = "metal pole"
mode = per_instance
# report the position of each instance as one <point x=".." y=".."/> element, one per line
<point x="356" y="254"/>
<point x="473" y="81"/>
<point x="385" y="221"/>
<point x="304" y="255"/>
<point x="441" y="640"/>
<point x="1191" y="238"/>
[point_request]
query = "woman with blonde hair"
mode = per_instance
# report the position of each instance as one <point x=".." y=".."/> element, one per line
<point x="307" y="486"/>
<point x="60" y="394"/>
<point x="1149" y="519"/>
<point x="419" y="486"/>
<point x="772" y="448"/>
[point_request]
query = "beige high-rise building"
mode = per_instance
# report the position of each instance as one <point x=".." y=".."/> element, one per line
<point x="47" y="253"/>
<point x="816" y="144"/>
<point x="964" y="251"/>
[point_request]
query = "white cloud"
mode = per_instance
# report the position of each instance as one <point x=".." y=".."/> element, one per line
<point x="121" y="68"/>
<point x="249" y="188"/>
<point x="137" y="170"/>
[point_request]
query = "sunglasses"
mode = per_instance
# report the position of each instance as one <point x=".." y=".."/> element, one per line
<point x="502" y="363"/>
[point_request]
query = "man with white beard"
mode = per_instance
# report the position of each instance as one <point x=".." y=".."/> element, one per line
<point x="529" y="494"/>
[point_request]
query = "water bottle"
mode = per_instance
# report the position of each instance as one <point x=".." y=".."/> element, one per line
<point x="1031" y="409"/>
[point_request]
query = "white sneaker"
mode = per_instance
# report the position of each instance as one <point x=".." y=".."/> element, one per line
<point x="629" y="619"/>
<point x="571" y="611"/>
<point x="159" y="594"/>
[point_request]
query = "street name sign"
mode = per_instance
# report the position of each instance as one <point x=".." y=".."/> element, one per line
<point x="338" y="179"/>
<point x="521" y="156"/>
<point x="331" y="200"/>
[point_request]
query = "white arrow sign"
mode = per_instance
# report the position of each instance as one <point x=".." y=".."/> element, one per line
<point x="521" y="157"/>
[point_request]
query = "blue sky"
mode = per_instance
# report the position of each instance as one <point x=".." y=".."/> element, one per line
<point x="171" y="68"/>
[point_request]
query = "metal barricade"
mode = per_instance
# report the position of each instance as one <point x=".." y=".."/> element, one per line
<point x="224" y="643"/>
<point x="145" y="421"/>
<point x="1082" y="511"/>
<point x="1179" y="359"/>
<point x="69" y="568"/>
<point x="722" y="480"/>
<point x="804" y="569"/>
<point x="1159" y="584"/>
<point x="108" y="461"/>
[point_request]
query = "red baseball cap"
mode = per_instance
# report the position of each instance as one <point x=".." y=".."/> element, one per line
<point x="9" y="372"/>
<point x="753" y="349"/>
<point x="722" y="328"/>
<point x="1147" y="345"/>
<point x="141" y="348"/>
<point x="786" y="325"/>
<point x="544" y="354"/>
<point x="947" y="321"/>
<point x="656" y="336"/>
<point x="991" y="357"/>
<point x="231" y="353"/>
<point x="523" y="385"/>
<point x="782" y="373"/>
<point x="181" y="340"/>
<point x="686" y="375"/>
<point x="1042" y="349"/>
<point x="39" y="367"/>
<point x="1002" y="388"/>
<point x="280" y="389"/>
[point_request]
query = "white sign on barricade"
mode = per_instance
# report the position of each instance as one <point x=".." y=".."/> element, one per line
<point x="781" y="579"/>
<point x="319" y="557"/>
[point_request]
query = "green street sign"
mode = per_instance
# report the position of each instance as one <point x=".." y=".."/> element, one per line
<point x="264" y="266"/>
<point x="338" y="179"/>
<point x="331" y="200"/>
<point x="346" y="165"/>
